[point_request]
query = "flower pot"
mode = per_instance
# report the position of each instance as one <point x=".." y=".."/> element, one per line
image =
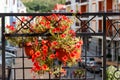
<point x="29" y="51"/>
<point x="62" y="55"/>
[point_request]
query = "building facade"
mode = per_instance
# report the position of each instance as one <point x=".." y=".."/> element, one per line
<point x="85" y="6"/>
<point x="11" y="6"/>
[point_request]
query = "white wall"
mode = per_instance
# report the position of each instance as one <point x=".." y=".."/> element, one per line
<point x="10" y="6"/>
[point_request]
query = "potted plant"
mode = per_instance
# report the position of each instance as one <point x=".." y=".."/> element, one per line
<point x="61" y="45"/>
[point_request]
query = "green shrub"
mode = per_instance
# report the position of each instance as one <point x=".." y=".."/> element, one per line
<point x="111" y="75"/>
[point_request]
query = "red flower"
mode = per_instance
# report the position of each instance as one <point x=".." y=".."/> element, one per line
<point x="44" y="47"/>
<point x="23" y="19"/>
<point x="12" y="28"/>
<point x="7" y="26"/>
<point x="44" y="42"/>
<point x="64" y="17"/>
<point x="33" y="57"/>
<point x="63" y="28"/>
<point x="81" y="42"/>
<point x="36" y="68"/>
<point x="44" y="51"/>
<point x="76" y="53"/>
<point x="77" y="45"/>
<point x="61" y="55"/>
<point x="57" y="30"/>
<point x="43" y="58"/>
<point x="63" y="35"/>
<point x="72" y="55"/>
<point x="31" y="52"/>
<point x="42" y="23"/>
<point x="44" y="67"/>
<point x="36" y="42"/>
<point x="28" y="44"/>
<point x="54" y="30"/>
<point x="72" y="32"/>
<point x="47" y="24"/>
<point x="65" y="58"/>
<point x="37" y="53"/>
<point x="54" y="43"/>
<point x="52" y="56"/>
<point x="30" y="17"/>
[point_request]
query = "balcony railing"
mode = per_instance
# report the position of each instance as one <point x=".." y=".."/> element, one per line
<point x="84" y="31"/>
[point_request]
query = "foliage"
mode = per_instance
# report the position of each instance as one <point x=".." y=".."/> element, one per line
<point x="111" y="75"/>
<point x="78" y="73"/>
<point x="41" y="5"/>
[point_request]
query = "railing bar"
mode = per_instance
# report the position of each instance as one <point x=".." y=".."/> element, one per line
<point x="60" y="79"/>
<point x="3" y="48"/>
<point x="23" y="67"/>
<point x="27" y="57"/>
<point x="85" y="39"/>
<point x="104" y="48"/>
<point x="62" y="67"/>
<point x="16" y="57"/>
<point x="93" y="56"/>
<point x="14" y="74"/>
<point x="67" y="14"/>
<point x="38" y="34"/>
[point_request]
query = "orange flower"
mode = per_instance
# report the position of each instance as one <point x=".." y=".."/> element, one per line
<point x="33" y="57"/>
<point x="63" y="28"/>
<point x="31" y="52"/>
<point x="28" y="44"/>
<point x="44" y="47"/>
<point x="43" y="58"/>
<point x="72" y="32"/>
<point x="65" y="58"/>
<point x="36" y="42"/>
<point x="44" y="67"/>
<point x="44" y="42"/>
<point x="52" y="56"/>
<point x="37" y="53"/>
<point x="72" y="55"/>
<point x="54" y="43"/>
<point x="63" y="35"/>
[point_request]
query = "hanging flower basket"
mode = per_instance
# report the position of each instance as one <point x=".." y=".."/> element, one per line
<point x="28" y="50"/>
<point x="61" y="45"/>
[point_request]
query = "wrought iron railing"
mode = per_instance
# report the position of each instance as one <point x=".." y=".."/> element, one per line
<point x="89" y="31"/>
